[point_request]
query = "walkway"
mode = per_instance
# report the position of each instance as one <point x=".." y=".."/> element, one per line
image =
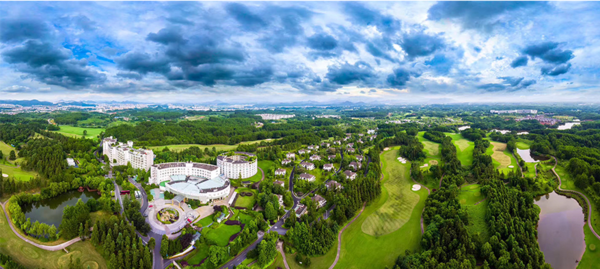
<point x="589" y="205"/>
<point x="44" y="247"/>
<point x="339" y="248"/>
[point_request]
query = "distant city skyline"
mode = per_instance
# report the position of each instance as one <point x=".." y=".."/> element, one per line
<point x="253" y="52"/>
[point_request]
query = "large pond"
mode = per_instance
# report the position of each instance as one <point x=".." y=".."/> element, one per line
<point x="529" y="158"/>
<point x="50" y="211"/>
<point x="560" y="230"/>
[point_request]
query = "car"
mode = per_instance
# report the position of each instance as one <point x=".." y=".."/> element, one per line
<point x="150" y="206"/>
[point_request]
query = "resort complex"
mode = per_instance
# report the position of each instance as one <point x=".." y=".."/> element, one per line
<point x="121" y="154"/>
<point x="237" y="164"/>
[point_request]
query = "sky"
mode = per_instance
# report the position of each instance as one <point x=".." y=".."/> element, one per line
<point x="263" y="52"/>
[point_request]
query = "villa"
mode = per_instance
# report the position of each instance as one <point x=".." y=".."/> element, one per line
<point x="328" y="166"/>
<point x="279" y="183"/>
<point x="286" y="161"/>
<point x="355" y="165"/>
<point x="303" y="151"/>
<point x="333" y="185"/>
<point x="307" y="165"/>
<point x="337" y="142"/>
<point x="350" y="175"/>
<point x="350" y="145"/>
<point x="315" y="158"/>
<point x="290" y="155"/>
<point x="351" y="150"/>
<point x="313" y="147"/>
<point x="300" y="210"/>
<point x="325" y="144"/>
<point x="280" y="199"/>
<point x="370" y="131"/>
<point x="319" y="200"/>
<point x="331" y="157"/>
<point x="307" y="177"/>
<point x="359" y="158"/>
<point x="280" y="172"/>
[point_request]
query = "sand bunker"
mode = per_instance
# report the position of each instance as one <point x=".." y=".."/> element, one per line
<point x="4" y="175"/>
<point x="425" y="165"/>
<point x="386" y="149"/>
<point x="402" y="160"/>
<point x="433" y="162"/>
<point x="511" y="166"/>
<point x="416" y="187"/>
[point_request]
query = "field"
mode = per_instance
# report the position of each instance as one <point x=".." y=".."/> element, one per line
<point x="433" y="156"/>
<point x="361" y="250"/>
<point x="245" y="201"/>
<point x="205" y="221"/>
<point x="464" y="149"/>
<point x="13" y="171"/>
<point x="197" y="255"/>
<point x="218" y="147"/>
<point x="78" y="131"/>
<point x="221" y="234"/>
<point x="502" y="157"/>
<point x="278" y="262"/>
<point x="320" y="262"/>
<point x="6" y="148"/>
<point x="523" y="144"/>
<point x="33" y="257"/>
<point x="265" y="166"/>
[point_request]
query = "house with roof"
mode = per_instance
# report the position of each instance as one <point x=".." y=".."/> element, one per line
<point x="280" y="199"/>
<point x="328" y="167"/>
<point x="351" y="150"/>
<point x="359" y="141"/>
<point x="300" y="210"/>
<point x="372" y="137"/>
<point x="326" y="145"/>
<point x="319" y="200"/>
<point x="346" y="138"/>
<point x="359" y="158"/>
<point x="333" y="185"/>
<point x="279" y="183"/>
<point x="330" y="157"/>
<point x="307" y="177"/>
<point x="286" y="161"/>
<point x="315" y="158"/>
<point x="361" y="135"/>
<point x="337" y="142"/>
<point x="350" y="145"/>
<point x="355" y="165"/>
<point x="290" y="155"/>
<point x="303" y="151"/>
<point x="307" y="165"/>
<point x="280" y="172"/>
<point x="313" y="147"/>
<point x="350" y="175"/>
<point x="370" y="131"/>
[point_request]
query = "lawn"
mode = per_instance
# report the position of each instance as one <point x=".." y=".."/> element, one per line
<point x="197" y="255"/>
<point x="523" y="144"/>
<point x="501" y="157"/>
<point x="13" y="171"/>
<point x="278" y="262"/>
<point x="218" y="147"/>
<point x="221" y="233"/>
<point x="265" y="166"/>
<point x="245" y="201"/>
<point x="77" y="132"/>
<point x="477" y="225"/>
<point x="433" y="157"/>
<point x="323" y="262"/>
<point x="464" y="148"/>
<point x="205" y="221"/>
<point x="361" y="250"/>
<point x="6" y="148"/>
<point x="32" y="257"/>
<point x="470" y="194"/>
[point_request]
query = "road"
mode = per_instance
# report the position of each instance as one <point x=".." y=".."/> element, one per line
<point x="339" y="248"/>
<point x="50" y="248"/>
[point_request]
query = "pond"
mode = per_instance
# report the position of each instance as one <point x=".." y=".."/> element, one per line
<point x="560" y="230"/>
<point x="529" y="158"/>
<point x="50" y="211"/>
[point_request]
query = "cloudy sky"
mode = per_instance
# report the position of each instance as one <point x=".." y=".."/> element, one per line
<point x="394" y="52"/>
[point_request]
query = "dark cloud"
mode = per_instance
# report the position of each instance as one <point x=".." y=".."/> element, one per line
<point x="167" y="36"/>
<point x="483" y="15"/>
<point x="549" y="52"/>
<point x="21" y="29"/>
<point x="556" y="70"/>
<point x="527" y="83"/>
<point x="373" y="90"/>
<point x="362" y="15"/>
<point x="130" y="75"/>
<point x="509" y="84"/>
<point x="417" y="44"/>
<point x="246" y="18"/>
<point x="492" y="87"/>
<point x="512" y="81"/>
<point x="322" y="42"/>
<point x="142" y="63"/>
<point x="347" y="73"/>
<point x="519" y="61"/>
<point x="286" y="27"/>
<point x="376" y="50"/>
<point x="399" y="78"/>
<point x="35" y="53"/>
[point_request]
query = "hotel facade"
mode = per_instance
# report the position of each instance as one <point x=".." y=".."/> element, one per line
<point x="120" y="154"/>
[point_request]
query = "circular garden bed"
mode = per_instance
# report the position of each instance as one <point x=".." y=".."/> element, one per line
<point x="167" y="215"/>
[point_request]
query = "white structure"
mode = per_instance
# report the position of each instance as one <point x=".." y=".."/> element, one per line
<point x="514" y="111"/>
<point x="307" y="177"/>
<point x="307" y="165"/>
<point x="350" y="175"/>
<point x="121" y="154"/>
<point x="285" y="161"/>
<point x="198" y="181"/>
<point x="70" y="162"/>
<point x="275" y="116"/>
<point x="239" y="163"/>
<point x="315" y="158"/>
<point x="319" y="200"/>
<point x="280" y="172"/>
<point x="370" y="131"/>
<point x="328" y="166"/>
<point x="290" y="155"/>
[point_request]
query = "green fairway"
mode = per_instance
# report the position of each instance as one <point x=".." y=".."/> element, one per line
<point x="470" y="194"/>
<point x="433" y="157"/>
<point x="6" y="148"/>
<point x="32" y="257"/>
<point x="361" y="250"/>
<point x="77" y="132"/>
<point x="477" y="225"/>
<point x="13" y="171"/>
<point x="315" y="262"/>
<point x="221" y="234"/>
<point x="218" y="147"/>
<point x="464" y="149"/>
<point x="397" y="209"/>
<point x="523" y="144"/>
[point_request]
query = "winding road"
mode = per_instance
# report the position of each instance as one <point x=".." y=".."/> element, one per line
<point x="589" y="205"/>
<point x="339" y="248"/>
<point x="44" y="247"/>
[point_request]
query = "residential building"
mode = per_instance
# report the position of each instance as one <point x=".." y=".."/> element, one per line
<point x="238" y="164"/>
<point x="319" y="200"/>
<point x="359" y="158"/>
<point x="280" y="172"/>
<point x="280" y="199"/>
<point x="355" y="165"/>
<point x="328" y="167"/>
<point x="290" y="155"/>
<point x="350" y="145"/>
<point x="308" y="165"/>
<point x="333" y="185"/>
<point x="370" y="131"/>
<point x="313" y="147"/>
<point x="350" y="175"/>
<point x="279" y="183"/>
<point x="286" y="162"/>
<point x="315" y="158"/>
<point x="326" y="145"/>
<point x="351" y="150"/>
<point x="300" y="210"/>
<point x="189" y="180"/>
<point x="122" y="154"/>
<point x="331" y="157"/>
<point x="307" y="177"/>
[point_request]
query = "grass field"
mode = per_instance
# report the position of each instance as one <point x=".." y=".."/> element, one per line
<point x="78" y="131"/>
<point x="245" y="201"/>
<point x="205" y="221"/>
<point x="6" y="148"/>
<point x="469" y="195"/>
<point x="502" y="157"/>
<point x="221" y="234"/>
<point x="464" y="148"/>
<point x="197" y="255"/>
<point x="278" y="262"/>
<point x="523" y="144"/>
<point x="218" y="147"/>
<point x="13" y="171"/>
<point x="32" y="257"/>
<point x="433" y="156"/>
<point x="361" y="250"/>
<point x="397" y="209"/>
<point x="320" y="262"/>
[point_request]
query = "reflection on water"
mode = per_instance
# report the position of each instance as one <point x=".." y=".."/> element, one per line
<point x="50" y="211"/>
<point x="560" y="230"/>
<point x="529" y="158"/>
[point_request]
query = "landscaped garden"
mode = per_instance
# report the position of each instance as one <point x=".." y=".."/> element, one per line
<point x="246" y="198"/>
<point x="168" y="215"/>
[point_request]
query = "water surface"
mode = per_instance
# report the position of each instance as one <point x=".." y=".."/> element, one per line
<point x="530" y="158"/>
<point x="560" y="230"/>
<point x="50" y="211"/>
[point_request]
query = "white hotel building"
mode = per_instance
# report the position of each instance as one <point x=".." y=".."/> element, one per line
<point x="198" y="181"/>
<point x="238" y="164"/>
<point x="121" y="154"/>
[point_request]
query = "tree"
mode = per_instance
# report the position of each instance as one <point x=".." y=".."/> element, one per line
<point x="270" y="212"/>
<point x="12" y="156"/>
<point x="164" y="246"/>
<point x="151" y="243"/>
<point x="84" y="132"/>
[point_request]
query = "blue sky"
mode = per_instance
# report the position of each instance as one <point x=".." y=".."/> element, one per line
<point x="393" y="52"/>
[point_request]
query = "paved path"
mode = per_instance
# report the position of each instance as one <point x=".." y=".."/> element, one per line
<point x="339" y="248"/>
<point x="263" y="174"/>
<point x="480" y="201"/>
<point x="428" y="193"/>
<point x="441" y="178"/>
<point x="280" y="248"/>
<point x="50" y="248"/>
<point x="520" y="168"/>
<point x="589" y="205"/>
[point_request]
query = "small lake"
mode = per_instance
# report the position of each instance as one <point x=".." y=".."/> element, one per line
<point x="50" y="211"/>
<point x="560" y="230"/>
<point x="529" y="158"/>
<point x="568" y="125"/>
